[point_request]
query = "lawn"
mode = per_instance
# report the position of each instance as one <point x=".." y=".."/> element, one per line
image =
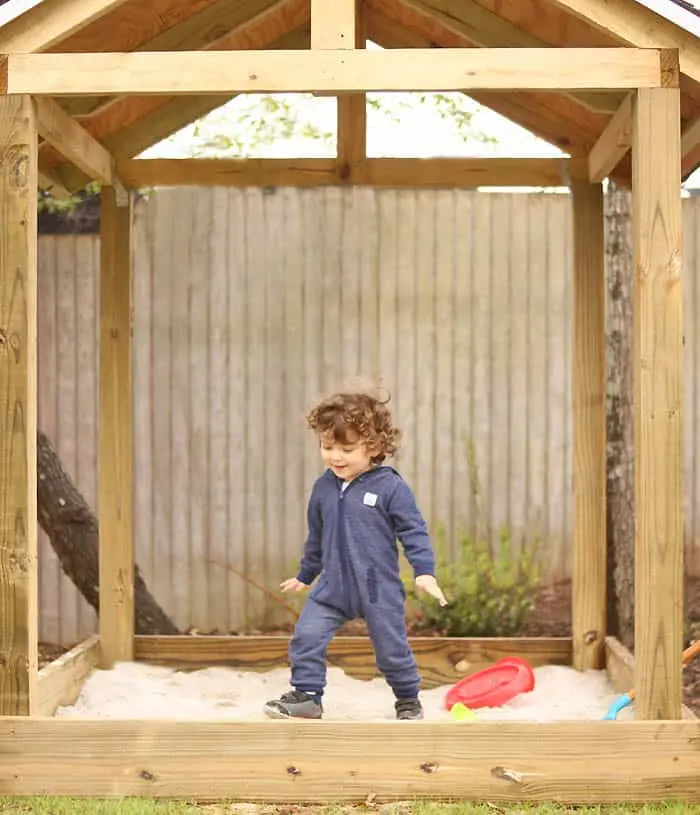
<point x="68" y="806"/>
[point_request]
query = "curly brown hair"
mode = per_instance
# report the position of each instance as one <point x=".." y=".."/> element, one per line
<point x="346" y="416"/>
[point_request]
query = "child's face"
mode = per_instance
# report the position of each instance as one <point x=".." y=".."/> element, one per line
<point x="347" y="460"/>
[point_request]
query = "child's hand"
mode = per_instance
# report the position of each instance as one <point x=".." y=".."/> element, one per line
<point x="293" y="585"/>
<point x="427" y="583"/>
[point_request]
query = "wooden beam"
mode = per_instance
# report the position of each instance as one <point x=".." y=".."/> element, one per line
<point x="690" y="141"/>
<point x="630" y="23"/>
<point x="485" y="28"/>
<point x="438" y="173"/>
<point x="441" y="660"/>
<point x="18" y="407"/>
<point x="61" y="681"/>
<point x="311" y="762"/>
<point x="49" y="22"/>
<point x="351" y="115"/>
<point x="589" y="381"/>
<point x="116" y="431"/>
<point x="658" y="367"/>
<point x="72" y="141"/>
<point x="333" y="24"/>
<point x="444" y="69"/>
<point x="613" y="144"/>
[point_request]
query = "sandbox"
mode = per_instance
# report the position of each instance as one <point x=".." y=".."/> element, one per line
<point x="184" y="720"/>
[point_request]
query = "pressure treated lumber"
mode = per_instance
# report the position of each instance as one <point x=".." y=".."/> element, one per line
<point x="658" y="367"/>
<point x="18" y="407"/>
<point x="316" y="762"/>
<point x="438" y="173"/>
<point x="338" y="71"/>
<point x="60" y="681"/>
<point x="440" y="660"/>
<point x="613" y="144"/>
<point x="589" y="383"/>
<point x="115" y="465"/>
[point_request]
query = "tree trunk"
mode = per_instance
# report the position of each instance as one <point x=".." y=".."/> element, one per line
<point x="74" y="534"/>
<point x="620" y="428"/>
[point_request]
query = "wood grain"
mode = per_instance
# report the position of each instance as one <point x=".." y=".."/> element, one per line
<point x="568" y="762"/>
<point x="116" y="430"/>
<point x="589" y="555"/>
<point x="658" y="367"/>
<point x="440" y="660"/>
<point x="18" y="406"/>
<point x="61" y="680"/>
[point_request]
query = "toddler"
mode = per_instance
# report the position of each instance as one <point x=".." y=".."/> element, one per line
<point x="356" y="511"/>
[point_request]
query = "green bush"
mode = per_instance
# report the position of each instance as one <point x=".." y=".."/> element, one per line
<point x="489" y="594"/>
<point x="491" y="590"/>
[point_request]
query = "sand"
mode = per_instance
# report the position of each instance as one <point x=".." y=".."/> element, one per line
<point x="141" y="691"/>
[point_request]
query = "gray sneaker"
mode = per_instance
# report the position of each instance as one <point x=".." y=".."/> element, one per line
<point x="294" y="705"/>
<point x="408" y="709"/>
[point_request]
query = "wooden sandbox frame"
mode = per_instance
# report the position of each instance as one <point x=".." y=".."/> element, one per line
<point x="655" y="757"/>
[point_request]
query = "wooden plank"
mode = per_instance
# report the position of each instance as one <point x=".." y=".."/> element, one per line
<point x="658" y="366"/>
<point x="440" y="173"/>
<point x="269" y="71"/>
<point x="316" y="762"/>
<point x="589" y="382"/>
<point x="333" y="24"/>
<point x="49" y="22"/>
<point x="72" y="141"/>
<point x="18" y="407"/>
<point x="351" y="107"/>
<point x="116" y="431"/>
<point x="619" y="664"/>
<point x="441" y="660"/>
<point x="60" y="681"/>
<point x="613" y="144"/>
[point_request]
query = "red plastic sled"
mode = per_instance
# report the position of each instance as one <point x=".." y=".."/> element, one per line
<point x="493" y="686"/>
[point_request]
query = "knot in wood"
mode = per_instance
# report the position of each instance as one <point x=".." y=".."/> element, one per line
<point x="293" y="771"/>
<point x="590" y="637"/>
<point x="507" y="775"/>
<point x="147" y="775"/>
<point x="429" y="767"/>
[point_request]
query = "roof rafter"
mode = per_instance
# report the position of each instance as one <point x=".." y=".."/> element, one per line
<point x="49" y="22"/>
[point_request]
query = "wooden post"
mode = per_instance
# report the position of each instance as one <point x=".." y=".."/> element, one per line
<point x="18" y="407"/>
<point x="588" y="590"/>
<point x="115" y="450"/>
<point x="658" y="362"/>
<point x="352" y="115"/>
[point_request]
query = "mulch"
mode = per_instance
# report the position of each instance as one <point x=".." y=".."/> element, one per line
<point x="551" y="617"/>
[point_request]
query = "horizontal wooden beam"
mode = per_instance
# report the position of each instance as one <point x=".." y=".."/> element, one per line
<point x="339" y="71"/>
<point x="441" y="660"/>
<point x="72" y="141"/>
<point x="571" y="762"/>
<point x="437" y="173"/>
<point x="613" y="144"/>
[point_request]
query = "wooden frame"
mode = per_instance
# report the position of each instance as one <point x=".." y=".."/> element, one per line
<point x="584" y="762"/>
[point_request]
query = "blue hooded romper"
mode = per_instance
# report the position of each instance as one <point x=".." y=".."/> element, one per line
<point x="351" y="544"/>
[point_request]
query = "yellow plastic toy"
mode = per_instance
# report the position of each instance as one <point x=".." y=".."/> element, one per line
<point x="462" y="713"/>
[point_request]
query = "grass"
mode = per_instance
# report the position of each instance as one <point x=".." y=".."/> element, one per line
<point x="132" y="806"/>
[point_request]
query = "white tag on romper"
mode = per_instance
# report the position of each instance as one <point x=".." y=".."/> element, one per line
<point x="370" y="499"/>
